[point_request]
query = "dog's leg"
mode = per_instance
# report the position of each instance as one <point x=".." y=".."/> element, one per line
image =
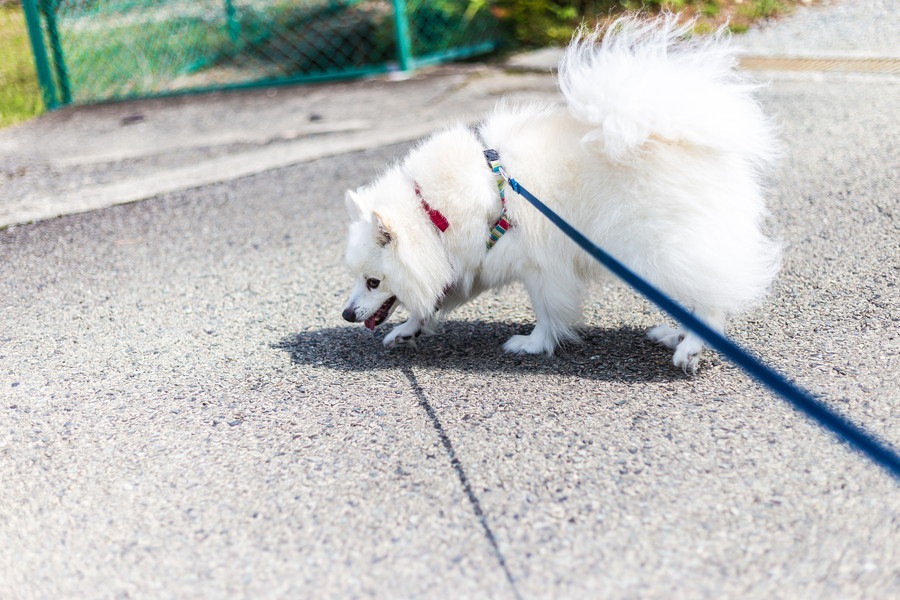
<point x="409" y="331"/>
<point x="688" y="345"/>
<point x="557" y="310"/>
<point x="406" y="333"/>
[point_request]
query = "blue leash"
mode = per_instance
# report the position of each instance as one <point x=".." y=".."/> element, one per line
<point x="799" y="398"/>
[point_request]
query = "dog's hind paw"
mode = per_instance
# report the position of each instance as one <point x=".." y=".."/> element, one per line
<point x="527" y="344"/>
<point x="665" y="335"/>
<point x="687" y="354"/>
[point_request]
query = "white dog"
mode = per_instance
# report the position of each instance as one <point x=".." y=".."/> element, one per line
<point x="657" y="157"/>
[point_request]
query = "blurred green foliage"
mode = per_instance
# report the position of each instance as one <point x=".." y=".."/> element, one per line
<point x="534" y="23"/>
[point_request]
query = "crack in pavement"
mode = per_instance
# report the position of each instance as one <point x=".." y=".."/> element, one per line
<point x="461" y="474"/>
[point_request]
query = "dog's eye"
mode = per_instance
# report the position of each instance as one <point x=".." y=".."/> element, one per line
<point x="372" y="283"/>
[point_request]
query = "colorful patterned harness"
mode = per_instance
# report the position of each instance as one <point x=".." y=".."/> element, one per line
<point x="502" y="225"/>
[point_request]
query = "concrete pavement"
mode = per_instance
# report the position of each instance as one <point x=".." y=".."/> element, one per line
<point x="185" y="414"/>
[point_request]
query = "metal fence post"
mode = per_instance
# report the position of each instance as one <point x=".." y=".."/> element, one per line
<point x="404" y="43"/>
<point x="41" y="63"/>
<point x="234" y="27"/>
<point x="59" y="62"/>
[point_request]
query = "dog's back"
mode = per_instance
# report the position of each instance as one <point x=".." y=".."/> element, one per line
<point x="659" y="155"/>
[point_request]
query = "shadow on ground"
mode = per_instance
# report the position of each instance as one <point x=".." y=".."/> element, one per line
<point x="606" y="354"/>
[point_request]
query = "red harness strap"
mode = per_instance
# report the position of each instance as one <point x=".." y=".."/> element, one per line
<point x="439" y="220"/>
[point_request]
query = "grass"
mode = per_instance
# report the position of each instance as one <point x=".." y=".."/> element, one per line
<point x="139" y="58"/>
<point x="20" y="95"/>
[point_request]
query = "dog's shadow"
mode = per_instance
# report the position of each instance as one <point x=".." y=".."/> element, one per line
<point x="624" y="354"/>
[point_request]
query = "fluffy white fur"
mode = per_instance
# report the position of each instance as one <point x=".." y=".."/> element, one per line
<point x="657" y="157"/>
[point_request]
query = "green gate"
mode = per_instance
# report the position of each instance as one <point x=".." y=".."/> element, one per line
<point x="98" y="50"/>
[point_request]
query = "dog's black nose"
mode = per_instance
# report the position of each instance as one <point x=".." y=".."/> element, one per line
<point x="349" y="314"/>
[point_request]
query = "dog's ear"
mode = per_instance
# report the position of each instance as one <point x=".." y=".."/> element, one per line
<point x="384" y="235"/>
<point x="354" y="204"/>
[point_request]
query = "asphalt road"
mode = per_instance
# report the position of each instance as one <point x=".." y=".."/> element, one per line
<point x="185" y="414"/>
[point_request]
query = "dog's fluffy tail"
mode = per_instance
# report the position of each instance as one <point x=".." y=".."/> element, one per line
<point x="640" y="80"/>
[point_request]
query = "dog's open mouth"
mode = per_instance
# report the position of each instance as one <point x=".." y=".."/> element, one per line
<point x="381" y="314"/>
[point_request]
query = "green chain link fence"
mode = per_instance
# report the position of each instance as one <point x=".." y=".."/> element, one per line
<point x="97" y="50"/>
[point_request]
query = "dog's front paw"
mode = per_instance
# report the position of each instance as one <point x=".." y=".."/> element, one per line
<point x="528" y="344"/>
<point x="403" y="335"/>
<point x="406" y="341"/>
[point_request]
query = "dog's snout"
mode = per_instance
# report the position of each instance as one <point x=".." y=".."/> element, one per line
<point x="349" y="314"/>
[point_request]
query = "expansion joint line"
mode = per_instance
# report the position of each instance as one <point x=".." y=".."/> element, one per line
<point x="461" y="474"/>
